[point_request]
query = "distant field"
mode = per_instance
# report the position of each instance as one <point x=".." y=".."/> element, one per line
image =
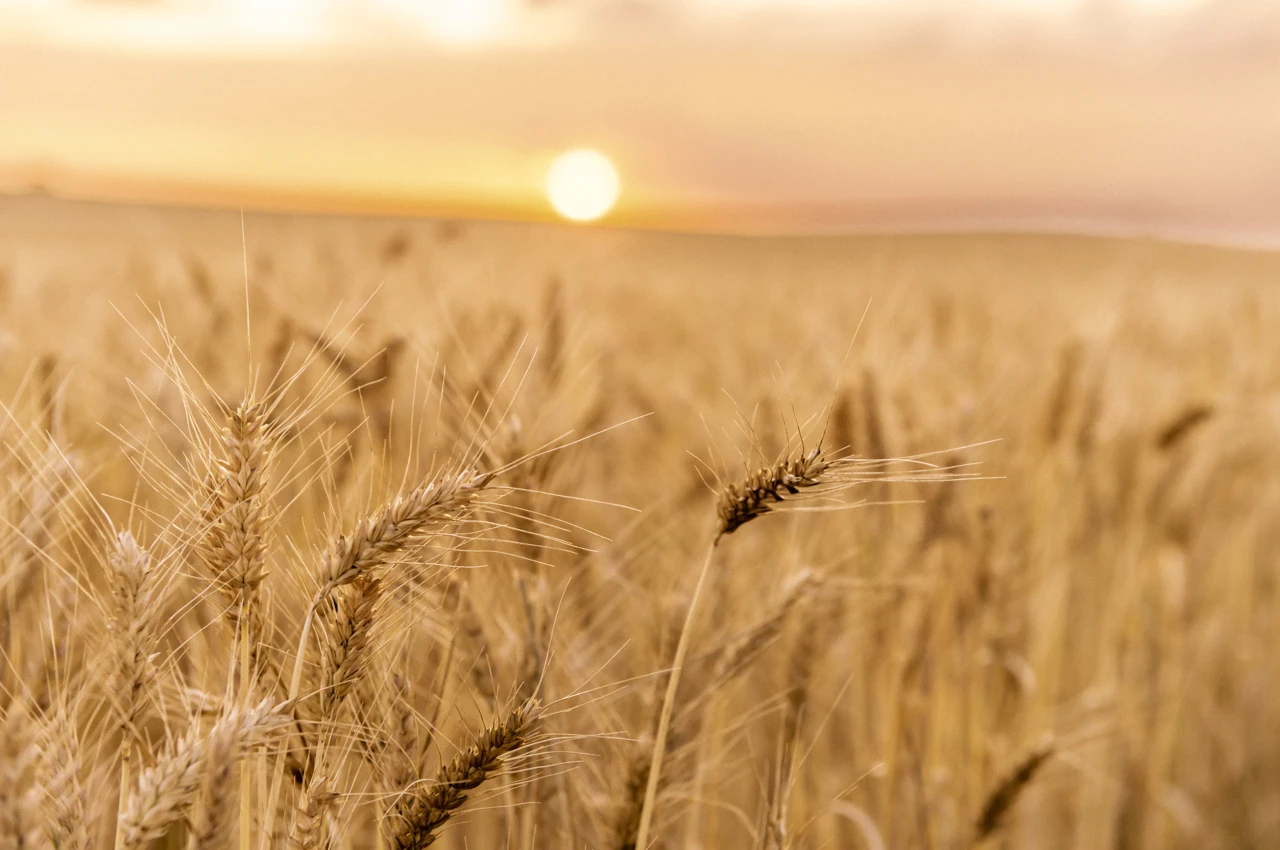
<point x="1076" y="650"/>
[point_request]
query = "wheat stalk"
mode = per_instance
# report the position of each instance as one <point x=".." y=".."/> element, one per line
<point x="738" y="503"/>
<point x="371" y="544"/>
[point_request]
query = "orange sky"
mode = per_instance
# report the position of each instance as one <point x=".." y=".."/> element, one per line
<point x="1146" y="116"/>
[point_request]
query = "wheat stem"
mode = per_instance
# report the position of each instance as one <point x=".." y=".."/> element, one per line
<point x="125" y="783"/>
<point x="246" y="766"/>
<point x="668" y="705"/>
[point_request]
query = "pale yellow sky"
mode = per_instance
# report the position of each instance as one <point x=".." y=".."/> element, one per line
<point x="1134" y="116"/>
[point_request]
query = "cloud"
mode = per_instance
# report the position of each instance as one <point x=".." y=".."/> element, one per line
<point x="762" y="118"/>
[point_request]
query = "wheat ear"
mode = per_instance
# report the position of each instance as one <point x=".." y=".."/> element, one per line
<point x="165" y="790"/>
<point x="1006" y="793"/>
<point x="211" y="825"/>
<point x="345" y="651"/>
<point x="745" y="648"/>
<point x="233" y="548"/>
<point x="398" y="523"/>
<point x="628" y="823"/>
<point x="755" y="495"/>
<point x="131" y="627"/>
<point x="418" y="814"/>
<point x="63" y="798"/>
<point x="375" y="539"/>
<point x="19" y="801"/>
<point x="346" y="645"/>
<point x="310" y="822"/>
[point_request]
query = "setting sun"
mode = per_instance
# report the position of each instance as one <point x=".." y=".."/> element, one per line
<point x="582" y="185"/>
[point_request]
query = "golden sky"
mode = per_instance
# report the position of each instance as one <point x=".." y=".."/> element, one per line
<point x="1134" y="116"/>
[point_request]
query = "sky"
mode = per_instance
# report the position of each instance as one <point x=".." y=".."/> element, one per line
<point x="1153" y="117"/>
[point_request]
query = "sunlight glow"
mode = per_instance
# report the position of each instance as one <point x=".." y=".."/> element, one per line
<point x="582" y="185"/>
<point x="466" y="21"/>
<point x="276" y="19"/>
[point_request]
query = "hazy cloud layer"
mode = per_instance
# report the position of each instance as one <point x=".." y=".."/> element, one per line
<point x="1145" y="116"/>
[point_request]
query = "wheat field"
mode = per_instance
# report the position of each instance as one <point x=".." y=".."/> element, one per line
<point x="356" y="533"/>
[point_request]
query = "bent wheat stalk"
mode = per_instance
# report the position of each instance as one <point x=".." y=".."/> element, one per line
<point x="808" y="475"/>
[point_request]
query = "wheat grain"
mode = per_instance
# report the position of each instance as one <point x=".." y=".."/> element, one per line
<point x="311" y="827"/>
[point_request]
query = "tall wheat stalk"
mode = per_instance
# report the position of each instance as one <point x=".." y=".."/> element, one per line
<point x="763" y="491"/>
<point x="233" y="550"/>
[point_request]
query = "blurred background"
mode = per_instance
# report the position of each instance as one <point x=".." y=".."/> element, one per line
<point x="1135" y="117"/>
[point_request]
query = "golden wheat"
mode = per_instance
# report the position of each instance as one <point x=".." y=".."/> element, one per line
<point x="368" y="577"/>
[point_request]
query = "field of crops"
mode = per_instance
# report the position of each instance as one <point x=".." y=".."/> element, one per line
<point x="355" y="533"/>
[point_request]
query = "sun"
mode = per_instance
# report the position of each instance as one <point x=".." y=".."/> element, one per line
<point x="582" y="185"/>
